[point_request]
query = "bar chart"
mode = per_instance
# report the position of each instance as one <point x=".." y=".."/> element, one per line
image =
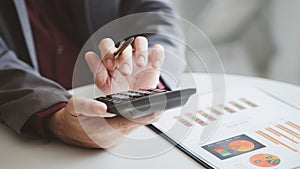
<point x="203" y="116"/>
<point x="285" y="134"/>
<point x="183" y="121"/>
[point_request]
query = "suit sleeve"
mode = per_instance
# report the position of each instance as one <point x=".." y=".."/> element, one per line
<point x="23" y="92"/>
<point x="161" y="24"/>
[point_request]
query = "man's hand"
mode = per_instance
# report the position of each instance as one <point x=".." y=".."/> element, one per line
<point x="135" y="68"/>
<point x="81" y="124"/>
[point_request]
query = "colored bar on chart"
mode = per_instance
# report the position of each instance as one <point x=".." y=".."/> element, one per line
<point x="295" y="126"/>
<point x="183" y="121"/>
<point x="235" y="104"/>
<point x="199" y="121"/>
<point x="280" y="134"/>
<point x="270" y="138"/>
<point x="288" y="131"/>
<point x="267" y="137"/>
<point x="211" y="118"/>
<point x="248" y="102"/>
<point x="223" y="152"/>
<point x="215" y="111"/>
<point x="227" y="109"/>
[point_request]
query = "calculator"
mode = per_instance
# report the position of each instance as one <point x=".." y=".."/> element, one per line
<point x="133" y="104"/>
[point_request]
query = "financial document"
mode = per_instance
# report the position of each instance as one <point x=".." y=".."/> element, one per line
<point x="249" y="130"/>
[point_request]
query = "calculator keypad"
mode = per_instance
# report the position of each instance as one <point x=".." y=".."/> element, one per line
<point x="128" y="95"/>
<point x="139" y="103"/>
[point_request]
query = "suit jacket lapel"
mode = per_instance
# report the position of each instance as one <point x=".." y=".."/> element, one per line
<point x="25" y="25"/>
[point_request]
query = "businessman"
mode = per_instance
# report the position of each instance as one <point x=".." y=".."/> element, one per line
<point x="39" y="44"/>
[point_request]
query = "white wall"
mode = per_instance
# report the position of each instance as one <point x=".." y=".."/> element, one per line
<point x="286" y="34"/>
<point x="253" y="37"/>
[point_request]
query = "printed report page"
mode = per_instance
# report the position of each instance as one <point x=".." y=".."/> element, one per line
<point x="250" y="130"/>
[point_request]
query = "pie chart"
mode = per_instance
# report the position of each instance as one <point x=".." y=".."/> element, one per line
<point x="265" y="160"/>
<point x="241" y="145"/>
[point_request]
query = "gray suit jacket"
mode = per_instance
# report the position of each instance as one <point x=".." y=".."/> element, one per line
<point x="23" y="92"/>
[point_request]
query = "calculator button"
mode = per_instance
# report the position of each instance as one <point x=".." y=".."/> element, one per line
<point x="132" y="94"/>
<point x="145" y="92"/>
<point x="109" y="99"/>
<point x="109" y="96"/>
<point x="120" y="96"/>
<point x="116" y="101"/>
<point x="158" y="90"/>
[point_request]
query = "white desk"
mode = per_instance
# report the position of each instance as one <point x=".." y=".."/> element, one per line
<point x="17" y="152"/>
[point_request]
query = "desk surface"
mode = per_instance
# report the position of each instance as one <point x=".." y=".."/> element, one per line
<point x="18" y="152"/>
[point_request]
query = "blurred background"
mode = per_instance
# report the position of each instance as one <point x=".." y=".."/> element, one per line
<point x="253" y="37"/>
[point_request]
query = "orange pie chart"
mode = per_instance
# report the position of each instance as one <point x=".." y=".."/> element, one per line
<point x="265" y="160"/>
<point x="241" y="145"/>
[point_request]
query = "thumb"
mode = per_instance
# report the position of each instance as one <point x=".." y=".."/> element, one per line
<point x="88" y="107"/>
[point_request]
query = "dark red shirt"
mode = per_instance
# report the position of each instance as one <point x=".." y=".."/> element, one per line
<point x="56" y="41"/>
<point x="57" y="47"/>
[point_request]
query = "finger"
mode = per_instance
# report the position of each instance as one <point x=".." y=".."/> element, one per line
<point x="87" y="107"/>
<point x="107" y="48"/>
<point x="92" y="60"/>
<point x="125" y="61"/>
<point x="157" y="56"/>
<point x="141" y="51"/>
<point x="147" y="119"/>
<point x="97" y="68"/>
<point x="120" y="123"/>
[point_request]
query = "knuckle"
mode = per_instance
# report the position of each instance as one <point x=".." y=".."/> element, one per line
<point x="125" y="58"/>
<point x="124" y="124"/>
<point x="99" y="84"/>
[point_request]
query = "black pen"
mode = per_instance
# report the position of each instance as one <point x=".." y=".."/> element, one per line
<point x="122" y="47"/>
